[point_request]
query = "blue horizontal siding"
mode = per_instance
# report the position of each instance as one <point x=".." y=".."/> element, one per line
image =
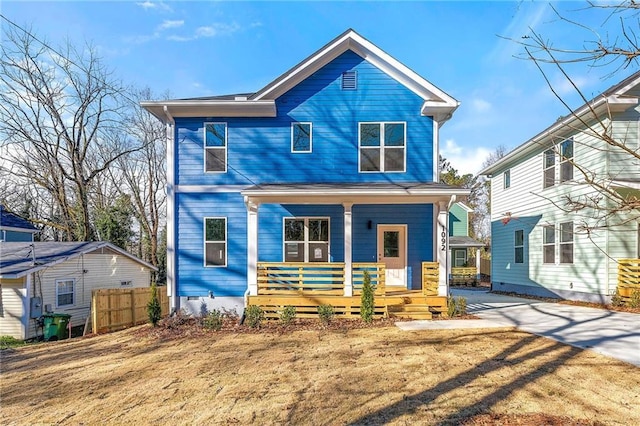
<point x="193" y="279"/>
<point x="259" y="148"/>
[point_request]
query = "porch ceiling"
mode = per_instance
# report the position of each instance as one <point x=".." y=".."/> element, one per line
<point x="353" y="193"/>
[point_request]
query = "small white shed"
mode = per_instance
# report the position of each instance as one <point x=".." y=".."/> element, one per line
<point x="41" y="277"/>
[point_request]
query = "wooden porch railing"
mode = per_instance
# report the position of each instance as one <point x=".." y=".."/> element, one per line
<point x="628" y="276"/>
<point x="376" y="273"/>
<point x="430" y="278"/>
<point x="297" y="278"/>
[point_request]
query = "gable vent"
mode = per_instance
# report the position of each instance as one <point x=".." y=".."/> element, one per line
<point x="349" y="80"/>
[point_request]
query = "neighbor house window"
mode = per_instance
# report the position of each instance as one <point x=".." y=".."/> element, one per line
<point x="349" y="80"/>
<point x="215" y="241"/>
<point x="382" y="147"/>
<point x="125" y="283"/>
<point x="65" y="292"/>
<point x="306" y="239"/>
<point x="549" y="171"/>
<point x="549" y="244"/>
<point x="566" y="242"/>
<point x="507" y="179"/>
<point x="566" y="160"/>
<point x="460" y="258"/>
<point x="215" y="147"/>
<point x="301" y="137"/>
<point x="518" y="246"/>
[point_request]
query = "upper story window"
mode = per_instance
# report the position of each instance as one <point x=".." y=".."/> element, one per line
<point x="301" y="137"/>
<point x="306" y="239"/>
<point x="349" y="80"/>
<point x="549" y="168"/>
<point x="566" y="160"/>
<point x="215" y="147"/>
<point x="507" y="179"/>
<point x="215" y="241"/>
<point x="65" y="292"/>
<point x="382" y="147"/>
<point x="518" y="245"/>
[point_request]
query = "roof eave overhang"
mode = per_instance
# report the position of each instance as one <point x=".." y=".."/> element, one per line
<point x="600" y="106"/>
<point x="17" y="229"/>
<point x="205" y="108"/>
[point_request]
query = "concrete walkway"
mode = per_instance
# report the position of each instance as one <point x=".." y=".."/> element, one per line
<point x="614" y="334"/>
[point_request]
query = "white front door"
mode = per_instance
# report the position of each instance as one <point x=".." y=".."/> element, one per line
<point x="392" y="251"/>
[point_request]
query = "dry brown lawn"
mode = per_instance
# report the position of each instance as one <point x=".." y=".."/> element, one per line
<point x="316" y="377"/>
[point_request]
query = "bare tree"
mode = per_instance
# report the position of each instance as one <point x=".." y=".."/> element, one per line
<point x="60" y="118"/>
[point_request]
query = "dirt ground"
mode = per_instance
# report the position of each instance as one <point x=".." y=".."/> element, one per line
<point x="306" y="376"/>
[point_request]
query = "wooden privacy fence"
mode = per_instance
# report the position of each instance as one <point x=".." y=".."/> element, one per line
<point x="485" y="265"/>
<point x="430" y="278"/>
<point x="628" y="276"/>
<point x="114" y="309"/>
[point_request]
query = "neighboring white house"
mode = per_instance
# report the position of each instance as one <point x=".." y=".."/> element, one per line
<point x="538" y="247"/>
<point x="59" y="277"/>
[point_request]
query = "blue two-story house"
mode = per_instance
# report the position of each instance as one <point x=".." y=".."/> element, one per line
<point x="335" y="162"/>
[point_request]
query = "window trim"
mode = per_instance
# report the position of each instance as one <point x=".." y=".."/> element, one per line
<point x="73" y="292"/>
<point x="455" y="257"/>
<point x="205" y="241"/>
<point x="545" y="168"/>
<point x="205" y="147"/>
<point x="568" y="160"/>
<point x="506" y="179"/>
<point x="547" y="244"/>
<point x="382" y="147"/>
<point x="310" y="150"/>
<point x="516" y="246"/>
<point x="306" y="237"/>
<point x="570" y="242"/>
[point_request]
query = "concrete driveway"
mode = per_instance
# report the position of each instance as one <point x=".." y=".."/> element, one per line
<point x="614" y="334"/>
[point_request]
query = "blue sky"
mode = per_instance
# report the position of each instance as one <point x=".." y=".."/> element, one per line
<point x="213" y="48"/>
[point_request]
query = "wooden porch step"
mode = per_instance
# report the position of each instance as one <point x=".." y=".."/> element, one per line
<point x="412" y="311"/>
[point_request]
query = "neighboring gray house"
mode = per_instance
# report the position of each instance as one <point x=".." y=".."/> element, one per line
<point x="39" y="277"/>
<point x="15" y="228"/>
<point x="540" y="248"/>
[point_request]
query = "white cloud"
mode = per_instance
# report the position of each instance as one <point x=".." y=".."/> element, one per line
<point x="480" y="105"/>
<point x="151" y="5"/>
<point x="464" y="159"/>
<point x="170" y="24"/>
<point x="207" y="31"/>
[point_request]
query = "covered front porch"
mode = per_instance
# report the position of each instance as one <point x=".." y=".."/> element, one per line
<point x="396" y="232"/>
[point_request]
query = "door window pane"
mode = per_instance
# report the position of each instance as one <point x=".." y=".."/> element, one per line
<point x="391" y="244"/>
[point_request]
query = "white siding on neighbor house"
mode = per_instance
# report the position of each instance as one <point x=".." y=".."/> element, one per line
<point x="12" y="300"/>
<point x="626" y="129"/>
<point x="90" y="271"/>
<point x="531" y="207"/>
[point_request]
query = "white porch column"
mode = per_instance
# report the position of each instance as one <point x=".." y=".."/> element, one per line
<point x="442" y="250"/>
<point x="348" y="231"/>
<point x="478" y="264"/>
<point x="252" y="246"/>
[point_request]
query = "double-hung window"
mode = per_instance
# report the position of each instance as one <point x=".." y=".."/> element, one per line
<point x="566" y="242"/>
<point x="566" y="160"/>
<point x="306" y="239"/>
<point x="382" y="147"/>
<point x="518" y="246"/>
<point x="215" y="241"/>
<point x="549" y="244"/>
<point x="215" y="147"/>
<point x="65" y="292"/>
<point x="301" y="139"/>
<point x="549" y="168"/>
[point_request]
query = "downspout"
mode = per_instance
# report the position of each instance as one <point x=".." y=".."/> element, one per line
<point x="171" y="243"/>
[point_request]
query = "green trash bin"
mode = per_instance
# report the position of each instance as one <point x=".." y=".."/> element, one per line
<point x="55" y="326"/>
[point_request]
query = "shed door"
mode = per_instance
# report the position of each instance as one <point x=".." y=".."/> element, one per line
<point x="392" y="251"/>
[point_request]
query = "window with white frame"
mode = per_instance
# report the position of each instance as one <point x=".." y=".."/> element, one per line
<point x="518" y="246"/>
<point x="215" y="241"/>
<point x="306" y="239"/>
<point x="549" y="244"/>
<point x="549" y="168"/>
<point x="65" y="292"/>
<point x="507" y="179"/>
<point x="566" y="242"/>
<point x="301" y="137"/>
<point x="382" y="147"/>
<point x="460" y="258"/>
<point x="215" y="147"/>
<point x="566" y="160"/>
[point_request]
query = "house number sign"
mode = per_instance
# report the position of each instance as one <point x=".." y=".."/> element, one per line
<point x="443" y="241"/>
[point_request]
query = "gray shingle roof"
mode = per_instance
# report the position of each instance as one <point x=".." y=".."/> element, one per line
<point x="11" y="220"/>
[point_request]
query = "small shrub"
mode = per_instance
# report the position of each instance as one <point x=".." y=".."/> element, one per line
<point x="288" y="314"/>
<point x="456" y="306"/>
<point x="617" y="300"/>
<point x="253" y="316"/>
<point x="154" y="310"/>
<point x="634" y="302"/>
<point x="214" y="320"/>
<point x="10" y="342"/>
<point x="367" y="299"/>
<point x="326" y="313"/>
<point x="461" y="305"/>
